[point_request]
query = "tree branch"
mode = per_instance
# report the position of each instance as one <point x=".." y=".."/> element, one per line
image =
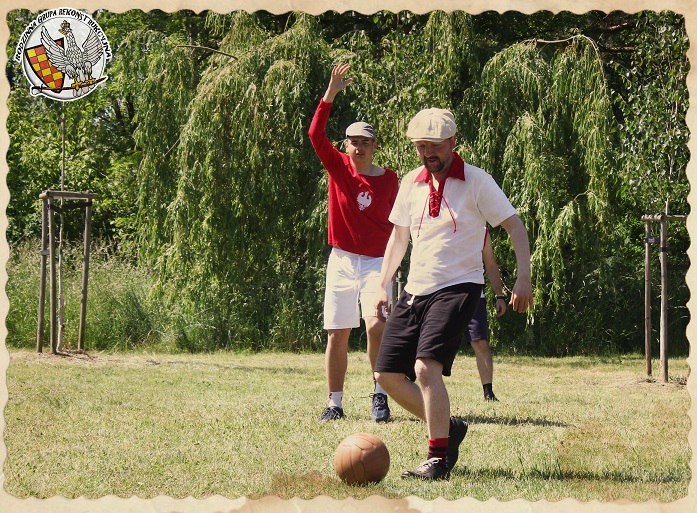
<point x="206" y="48"/>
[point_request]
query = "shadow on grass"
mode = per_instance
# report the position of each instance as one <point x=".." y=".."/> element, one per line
<point x="311" y="484"/>
<point x="514" y="421"/>
<point x="220" y="366"/>
<point x="560" y="474"/>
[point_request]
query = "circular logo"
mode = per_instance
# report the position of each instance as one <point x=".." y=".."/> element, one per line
<point x="63" y="53"/>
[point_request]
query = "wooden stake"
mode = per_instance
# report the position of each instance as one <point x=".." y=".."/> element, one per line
<point x="664" y="299"/>
<point x="85" y="273"/>
<point x="647" y="299"/>
<point x="42" y="276"/>
<point x="52" y="275"/>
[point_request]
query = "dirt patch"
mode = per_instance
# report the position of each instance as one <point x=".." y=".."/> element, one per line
<point x="674" y="382"/>
<point x="81" y="358"/>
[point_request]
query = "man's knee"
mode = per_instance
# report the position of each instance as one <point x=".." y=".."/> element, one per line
<point x="427" y="370"/>
<point x="374" y="327"/>
<point x="481" y="347"/>
<point x="388" y="380"/>
<point x="338" y="337"/>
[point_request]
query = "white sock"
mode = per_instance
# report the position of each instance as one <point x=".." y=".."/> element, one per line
<point x="379" y="389"/>
<point x="335" y="398"/>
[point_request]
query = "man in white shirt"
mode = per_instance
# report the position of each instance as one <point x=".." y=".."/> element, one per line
<point x="444" y="206"/>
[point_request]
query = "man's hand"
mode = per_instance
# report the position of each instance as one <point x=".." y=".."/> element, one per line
<point x="382" y="305"/>
<point x="337" y="82"/>
<point x="500" y="307"/>
<point x="521" y="297"/>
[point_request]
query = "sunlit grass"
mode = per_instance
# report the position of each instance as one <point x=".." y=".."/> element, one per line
<point x="246" y="425"/>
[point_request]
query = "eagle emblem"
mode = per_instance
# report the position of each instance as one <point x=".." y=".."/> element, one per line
<point x="71" y="60"/>
<point x="63" y="53"/>
<point x="364" y="200"/>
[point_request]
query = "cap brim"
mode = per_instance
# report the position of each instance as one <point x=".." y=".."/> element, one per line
<point x="427" y="139"/>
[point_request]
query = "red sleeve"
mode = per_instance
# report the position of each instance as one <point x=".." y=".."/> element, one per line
<point x="327" y="153"/>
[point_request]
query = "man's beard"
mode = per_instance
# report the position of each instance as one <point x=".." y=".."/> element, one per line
<point x="434" y="165"/>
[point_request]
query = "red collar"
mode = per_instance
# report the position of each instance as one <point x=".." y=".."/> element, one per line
<point x="457" y="170"/>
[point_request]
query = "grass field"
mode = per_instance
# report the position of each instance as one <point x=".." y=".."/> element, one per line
<point x="246" y="425"/>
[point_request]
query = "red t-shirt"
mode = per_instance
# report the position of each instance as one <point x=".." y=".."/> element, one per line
<point x="359" y="205"/>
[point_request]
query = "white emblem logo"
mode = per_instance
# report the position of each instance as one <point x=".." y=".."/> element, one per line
<point x="63" y="53"/>
<point x="364" y="200"/>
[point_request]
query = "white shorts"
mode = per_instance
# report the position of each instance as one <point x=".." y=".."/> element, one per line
<point x="351" y="281"/>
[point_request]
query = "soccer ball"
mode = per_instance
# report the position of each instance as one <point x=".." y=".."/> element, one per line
<point x="361" y="458"/>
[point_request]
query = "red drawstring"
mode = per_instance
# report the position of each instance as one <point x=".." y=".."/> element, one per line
<point x="451" y="215"/>
<point x="433" y="201"/>
<point x="422" y="219"/>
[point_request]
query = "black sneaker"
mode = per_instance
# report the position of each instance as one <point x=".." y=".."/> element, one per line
<point x="429" y="469"/>
<point x="381" y="411"/>
<point x="332" y="413"/>
<point x="490" y="397"/>
<point x="458" y="430"/>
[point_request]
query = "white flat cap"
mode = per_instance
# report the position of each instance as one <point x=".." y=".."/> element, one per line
<point x="432" y="125"/>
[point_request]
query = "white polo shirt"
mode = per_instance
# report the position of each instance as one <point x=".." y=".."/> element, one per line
<point x="447" y="249"/>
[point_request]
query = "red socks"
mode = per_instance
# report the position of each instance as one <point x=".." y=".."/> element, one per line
<point x="437" y="448"/>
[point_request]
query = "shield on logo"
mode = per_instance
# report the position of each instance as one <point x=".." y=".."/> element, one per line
<point x="47" y="72"/>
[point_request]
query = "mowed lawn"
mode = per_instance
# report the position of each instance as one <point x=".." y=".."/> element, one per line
<point x="246" y="425"/>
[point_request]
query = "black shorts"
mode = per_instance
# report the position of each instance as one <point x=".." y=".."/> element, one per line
<point x="430" y="326"/>
<point x="478" y="328"/>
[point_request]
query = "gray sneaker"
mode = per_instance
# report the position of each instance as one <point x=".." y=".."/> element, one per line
<point x="381" y="411"/>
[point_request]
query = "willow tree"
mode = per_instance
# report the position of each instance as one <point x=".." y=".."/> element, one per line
<point x="546" y="134"/>
<point x="392" y="80"/>
<point x="244" y="259"/>
<point x="156" y="79"/>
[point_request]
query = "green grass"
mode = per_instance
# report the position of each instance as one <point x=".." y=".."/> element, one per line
<point x="245" y="425"/>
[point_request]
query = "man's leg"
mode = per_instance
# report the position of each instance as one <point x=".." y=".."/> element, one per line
<point x="485" y="366"/>
<point x="404" y="391"/>
<point x="445" y="434"/>
<point x="374" y="328"/>
<point x="380" y="411"/>
<point x="335" y="364"/>
<point x="429" y="374"/>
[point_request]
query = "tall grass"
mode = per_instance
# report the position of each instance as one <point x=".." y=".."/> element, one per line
<point x="121" y="313"/>
<point x="126" y="311"/>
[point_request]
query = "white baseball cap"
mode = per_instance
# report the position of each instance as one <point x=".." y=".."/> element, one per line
<point x="432" y="125"/>
<point x="360" y="129"/>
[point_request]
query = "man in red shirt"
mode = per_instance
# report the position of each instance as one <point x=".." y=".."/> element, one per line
<point x="361" y="196"/>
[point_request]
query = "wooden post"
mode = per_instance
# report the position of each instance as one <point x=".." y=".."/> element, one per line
<point x="663" y="241"/>
<point x="42" y="276"/>
<point x="85" y="273"/>
<point x="647" y="299"/>
<point x="52" y="274"/>
<point x="48" y="198"/>
<point x="664" y="299"/>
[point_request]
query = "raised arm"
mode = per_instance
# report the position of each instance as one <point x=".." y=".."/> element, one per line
<point x="337" y="82"/>
<point x="331" y="157"/>
<point x="521" y="297"/>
